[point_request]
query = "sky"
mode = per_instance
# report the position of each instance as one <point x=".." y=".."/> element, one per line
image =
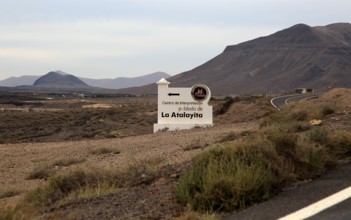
<point x="128" y="38"/>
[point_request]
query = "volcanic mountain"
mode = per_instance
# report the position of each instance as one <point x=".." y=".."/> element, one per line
<point x="299" y="56"/>
<point x="59" y="79"/>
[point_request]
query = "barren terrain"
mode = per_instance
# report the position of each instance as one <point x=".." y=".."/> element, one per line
<point x="75" y="129"/>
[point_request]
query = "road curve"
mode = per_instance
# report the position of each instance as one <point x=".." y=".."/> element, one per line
<point x="278" y="101"/>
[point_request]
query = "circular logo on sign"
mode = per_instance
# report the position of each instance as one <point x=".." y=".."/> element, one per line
<point x="199" y="92"/>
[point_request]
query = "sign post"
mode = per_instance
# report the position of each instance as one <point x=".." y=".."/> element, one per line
<point x="183" y="108"/>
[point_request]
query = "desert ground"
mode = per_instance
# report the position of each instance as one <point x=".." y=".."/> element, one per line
<point x="40" y="133"/>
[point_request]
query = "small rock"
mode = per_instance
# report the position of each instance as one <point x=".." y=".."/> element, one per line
<point x="174" y="175"/>
<point x="315" y="122"/>
<point x="161" y="181"/>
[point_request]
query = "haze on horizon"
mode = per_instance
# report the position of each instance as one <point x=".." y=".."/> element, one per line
<point x="128" y="38"/>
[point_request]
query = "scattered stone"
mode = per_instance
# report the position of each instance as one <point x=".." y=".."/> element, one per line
<point x="315" y="122"/>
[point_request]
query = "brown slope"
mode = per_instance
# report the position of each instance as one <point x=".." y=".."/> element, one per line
<point x="300" y="56"/>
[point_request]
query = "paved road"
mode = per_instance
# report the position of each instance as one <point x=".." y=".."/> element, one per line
<point x="305" y="194"/>
<point x="284" y="100"/>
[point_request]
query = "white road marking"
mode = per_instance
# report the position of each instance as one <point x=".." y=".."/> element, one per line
<point x="296" y="97"/>
<point x="277" y="98"/>
<point x="319" y="206"/>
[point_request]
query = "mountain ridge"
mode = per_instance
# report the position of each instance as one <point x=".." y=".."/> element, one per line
<point x="116" y="83"/>
<point x="299" y="56"/>
<point x="125" y="82"/>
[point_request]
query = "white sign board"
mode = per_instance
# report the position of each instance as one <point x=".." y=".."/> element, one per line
<point x="183" y="108"/>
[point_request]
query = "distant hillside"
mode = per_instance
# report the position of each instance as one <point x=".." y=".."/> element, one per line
<point x="124" y="82"/>
<point x="119" y="82"/>
<point x="19" y="81"/>
<point x="299" y="56"/>
<point x="60" y="80"/>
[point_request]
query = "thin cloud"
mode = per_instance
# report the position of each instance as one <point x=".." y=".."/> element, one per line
<point x="133" y="37"/>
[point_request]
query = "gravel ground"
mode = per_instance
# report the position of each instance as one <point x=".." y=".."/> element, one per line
<point x="18" y="160"/>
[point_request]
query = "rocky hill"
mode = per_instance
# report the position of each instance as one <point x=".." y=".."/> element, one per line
<point x="60" y="80"/>
<point x="299" y="56"/>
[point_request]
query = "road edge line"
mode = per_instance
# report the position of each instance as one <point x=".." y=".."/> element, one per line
<point x="319" y="206"/>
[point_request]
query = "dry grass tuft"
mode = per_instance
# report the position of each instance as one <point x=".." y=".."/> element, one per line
<point x="92" y="182"/>
<point x="45" y="171"/>
<point x="105" y="150"/>
<point x="9" y="193"/>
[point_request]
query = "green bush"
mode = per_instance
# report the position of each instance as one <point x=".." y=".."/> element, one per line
<point x="224" y="179"/>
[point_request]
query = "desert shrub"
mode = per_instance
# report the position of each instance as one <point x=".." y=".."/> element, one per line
<point x="8" y="213"/>
<point x="92" y="182"/>
<point x="45" y="171"/>
<point x="105" y="150"/>
<point x="238" y="174"/>
<point x="9" y="193"/>
<point x="196" y="144"/>
<point x="299" y="112"/>
<point x="225" y="178"/>
<point x="59" y="187"/>
<point x="318" y="135"/>
<point x="223" y="108"/>
<point x="18" y="212"/>
<point x="284" y="141"/>
<point x="317" y="160"/>
<point x="311" y="158"/>
<point x="326" y="109"/>
<point x="229" y="137"/>
<point x="299" y="115"/>
<point x="191" y="215"/>
<point x="339" y="143"/>
<point x="42" y="172"/>
<point x="67" y="162"/>
<point x="249" y="171"/>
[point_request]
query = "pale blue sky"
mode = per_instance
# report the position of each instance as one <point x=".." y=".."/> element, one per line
<point x="113" y="38"/>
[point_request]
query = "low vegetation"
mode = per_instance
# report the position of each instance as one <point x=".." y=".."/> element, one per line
<point x="250" y="168"/>
<point x="9" y="193"/>
<point x="79" y="181"/>
<point x="91" y="182"/>
<point x="196" y="144"/>
<point x="44" y="171"/>
<point x="105" y="150"/>
<point x="54" y="120"/>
